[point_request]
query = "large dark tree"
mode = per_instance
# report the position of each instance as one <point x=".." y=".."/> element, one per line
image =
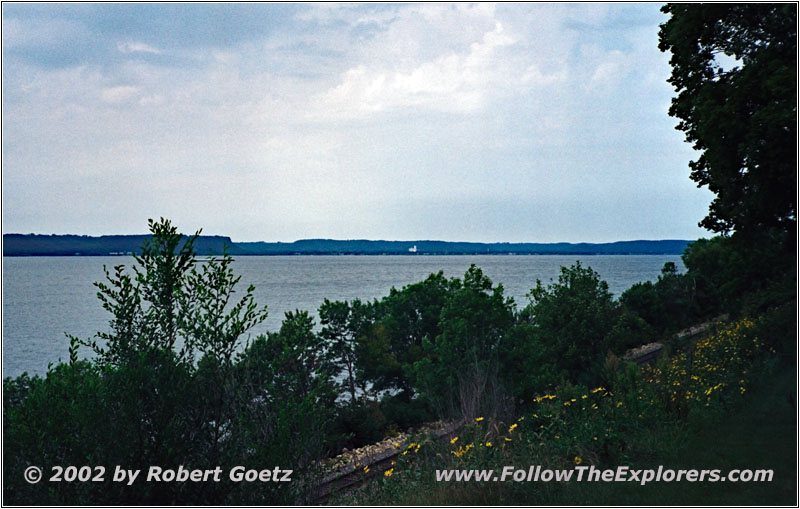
<point x="734" y="70"/>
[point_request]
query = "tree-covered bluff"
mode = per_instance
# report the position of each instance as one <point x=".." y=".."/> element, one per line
<point x="69" y="245"/>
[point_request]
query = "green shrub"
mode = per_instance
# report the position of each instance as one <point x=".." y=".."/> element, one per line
<point x="460" y="375"/>
<point x="572" y="320"/>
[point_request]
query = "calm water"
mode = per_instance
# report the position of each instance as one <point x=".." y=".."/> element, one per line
<point x="43" y="297"/>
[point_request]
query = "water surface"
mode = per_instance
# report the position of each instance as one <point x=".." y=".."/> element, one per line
<point x="44" y="297"/>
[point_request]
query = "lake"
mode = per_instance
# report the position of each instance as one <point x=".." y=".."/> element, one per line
<point x="44" y="297"/>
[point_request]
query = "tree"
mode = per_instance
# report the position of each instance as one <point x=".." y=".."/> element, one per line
<point x="344" y="324"/>
<point x="742" y="119"/>
<point x="728" y="274"/>
<point x="293" y="393"/>
<point x="143" y="400"/>
<point x="666" y="305"/>
<point x="460" y="376"/>
<point x="160" y="278"/>
<point x="149" y="308"/>
<point x="571" y="320"/>
<point x="404" y="319"/>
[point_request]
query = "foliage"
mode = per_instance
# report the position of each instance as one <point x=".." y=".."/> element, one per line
<point x="660" y="308"/>
<point x="635" y="422"/>
<point x="460" y="376"/>
<point x="344" y="326"/>
<point x="714" y="371"/>
<point x="571" y="320"/>
<point x="213" y="323"/>
<point x="292" y="396"/>
<point x="167" y="388"/>
<point x="730" y="274"/>
<point x="527" y="367"/>
<point x="163" y="266"/>
<point x="405" y="319"/>
<point x="741" y="119"/>
<point x="629" y="331"/>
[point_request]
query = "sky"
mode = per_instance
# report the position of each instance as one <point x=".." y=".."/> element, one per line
<point x="278" y="122"/>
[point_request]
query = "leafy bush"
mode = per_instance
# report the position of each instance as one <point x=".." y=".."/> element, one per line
<point x="740" y="275"/>
<point x="663" y="307"/>
<point x="403" y="321"/>
<point x="571" y="321"/>
<point x="460" y="375"/>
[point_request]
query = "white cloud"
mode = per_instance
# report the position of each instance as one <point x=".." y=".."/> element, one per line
<point x="609" y="72"/>
<point x="454" y="82"/>
<point x="152" y="99"/>
<point x="121" y="94"/>
<point x="534" y="76"/>
<point x="137" y="47"/>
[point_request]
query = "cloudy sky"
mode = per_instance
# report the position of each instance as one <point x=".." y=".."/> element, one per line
<point x="509" y="122"/>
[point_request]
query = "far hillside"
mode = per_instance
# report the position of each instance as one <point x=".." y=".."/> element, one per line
<point x="82" y="245"/>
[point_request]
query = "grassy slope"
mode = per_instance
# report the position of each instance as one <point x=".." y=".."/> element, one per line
<point x="759" y="433"/>
<point x="762" y="433"/>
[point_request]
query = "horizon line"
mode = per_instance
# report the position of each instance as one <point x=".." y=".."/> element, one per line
<point x="356" y="239"/>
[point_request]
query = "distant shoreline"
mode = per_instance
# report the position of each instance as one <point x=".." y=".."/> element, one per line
<point x="125" y="245"/>
<point x="355" y="254"/>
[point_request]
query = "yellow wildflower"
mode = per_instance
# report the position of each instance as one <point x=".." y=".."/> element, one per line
<point x="389" y="472"/>
<point x="366" y="470"/>
<point x="478" y="419"/>
<point x="454" y="440"/>
<point x="512" y="428"/>
<point x="578" y="460"/>
<point x="488" y="444"/>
